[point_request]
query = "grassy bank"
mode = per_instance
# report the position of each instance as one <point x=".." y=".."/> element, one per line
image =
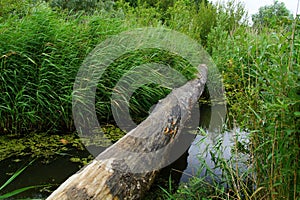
<point x="42" y="48"/>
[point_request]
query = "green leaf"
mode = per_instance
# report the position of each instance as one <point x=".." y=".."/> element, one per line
<point x="297" y="114"/>
<point x="15" y="175"/>
<point x="18" y="191"/>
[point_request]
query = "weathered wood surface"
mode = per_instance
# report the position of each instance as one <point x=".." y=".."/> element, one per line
<point x="127" y="169"/>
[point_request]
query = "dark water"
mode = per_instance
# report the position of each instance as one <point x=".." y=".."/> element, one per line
<point x="41" y="172"/>
<point x="57" y="169"/>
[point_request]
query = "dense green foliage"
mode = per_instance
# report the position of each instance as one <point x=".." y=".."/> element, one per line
<point x="261" y="76"/>
<point x="87" y="6"/>
<point x="38" y="68"/>
<point x="42" y="47"/>
<point x="272" y="16"/>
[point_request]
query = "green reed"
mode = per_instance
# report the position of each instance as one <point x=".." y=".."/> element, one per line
<point x="40" y="56"/>
<point x="41" y="51"/>
<point x="260" y="70"/>
<point x="261" y="77"/>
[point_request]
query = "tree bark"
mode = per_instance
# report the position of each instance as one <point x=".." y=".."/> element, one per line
<point x="127" y="169"/>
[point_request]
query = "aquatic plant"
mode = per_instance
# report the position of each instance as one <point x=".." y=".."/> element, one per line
<point x="20" y="190"/>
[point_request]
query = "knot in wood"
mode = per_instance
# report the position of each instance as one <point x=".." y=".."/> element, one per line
<point x="173" y="122"/>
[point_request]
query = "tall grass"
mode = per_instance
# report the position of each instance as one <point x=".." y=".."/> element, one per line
<point x="40" y="56"/>
<point x="41" y="51"/>
<point x="260" y="69"/>
<point x="146" y="95"/>
<point x="225" y="171"/>
<point x="261" y="75"/>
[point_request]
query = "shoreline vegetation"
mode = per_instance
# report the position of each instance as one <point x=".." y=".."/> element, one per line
<point x="43" y="44"/>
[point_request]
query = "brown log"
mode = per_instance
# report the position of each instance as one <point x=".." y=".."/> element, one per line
<point x="122" y="170"/>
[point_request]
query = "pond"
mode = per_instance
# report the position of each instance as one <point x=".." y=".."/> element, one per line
<point x="64" y="158"/>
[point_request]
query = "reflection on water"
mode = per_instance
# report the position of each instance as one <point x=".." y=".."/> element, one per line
<point x="43" y="171"/>
<point x="59" y="168"/>
<point x="212" y="141"/>
<point x="202" y="148"/>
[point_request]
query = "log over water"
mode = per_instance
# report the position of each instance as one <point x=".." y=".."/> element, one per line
<point x="122" y="171"/>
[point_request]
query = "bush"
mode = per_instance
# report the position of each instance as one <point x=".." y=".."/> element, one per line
<point x="88" y="6"/>
<point x="272" y="16"/>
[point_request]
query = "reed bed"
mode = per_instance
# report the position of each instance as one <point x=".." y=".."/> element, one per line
<point x="41" y="51"/>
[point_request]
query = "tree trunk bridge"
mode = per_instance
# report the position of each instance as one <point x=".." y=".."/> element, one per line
<point x="127" y="169"/>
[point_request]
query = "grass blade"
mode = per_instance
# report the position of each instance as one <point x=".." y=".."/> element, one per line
<point x="15" y="175"/>
<point x="18" y="191"/>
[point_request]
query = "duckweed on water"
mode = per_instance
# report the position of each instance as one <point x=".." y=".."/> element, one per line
<point x="46" y="146"/>
<point x="37" y="145"/>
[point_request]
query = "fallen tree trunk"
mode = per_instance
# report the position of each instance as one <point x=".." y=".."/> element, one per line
<point x="127" y="169"/>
